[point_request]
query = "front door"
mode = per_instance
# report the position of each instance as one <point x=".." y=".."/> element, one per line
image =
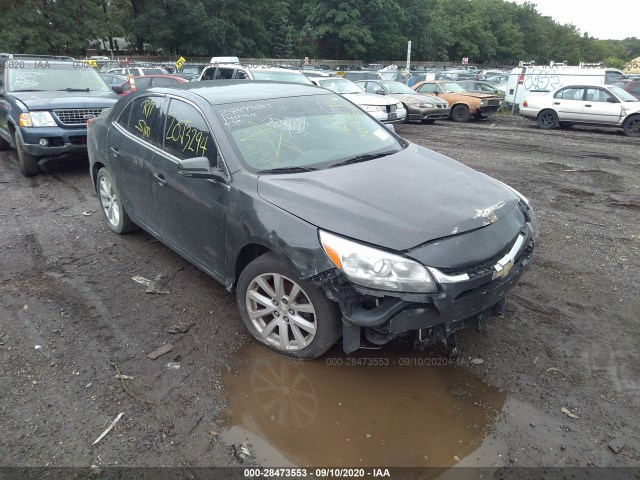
<point x="192" y="210"/>
<point x="601" y="107"/>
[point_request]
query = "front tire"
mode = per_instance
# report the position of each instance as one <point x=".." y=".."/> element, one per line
<point x="28" y="163"/>
<point x="631" y="126"/>
<point x="111" y="203"/>
<point x="460" y="113"/>
<point x="547" y="119"/>
<point x="287" y="314"/>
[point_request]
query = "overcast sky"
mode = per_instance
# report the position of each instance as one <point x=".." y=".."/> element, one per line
<point x="610" y="19"/>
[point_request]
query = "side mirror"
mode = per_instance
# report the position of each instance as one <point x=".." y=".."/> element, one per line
<point x="612" y="100"/>
<point x="118" y="89"/>
<point x="198" y="167"/>
<point x="390" y="127"/>
<point x="381" y="92"/>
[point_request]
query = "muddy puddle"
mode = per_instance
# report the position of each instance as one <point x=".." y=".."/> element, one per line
<point x="374" y="408"/>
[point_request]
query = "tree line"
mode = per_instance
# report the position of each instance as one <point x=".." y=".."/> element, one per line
<point x="485" y="31"/>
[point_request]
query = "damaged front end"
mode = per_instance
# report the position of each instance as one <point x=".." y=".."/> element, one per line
<point x="471" y="273"/>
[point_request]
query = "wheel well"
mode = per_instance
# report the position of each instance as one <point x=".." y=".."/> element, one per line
<point x="545" y="110"/>
<point x="96" y="168"/>
<point x="631" y="117"/>
<point x="460" y="104"/>
<point x="247" y="255"/>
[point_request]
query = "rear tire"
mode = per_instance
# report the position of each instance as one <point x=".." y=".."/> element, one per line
<point x="460" y="113"/>
<point x="286" y="314"/>
<point x="111" y="203"/>
<point x="631" y="126"/>
<point x="547" y="119"/>
<point x="28" y="163"/>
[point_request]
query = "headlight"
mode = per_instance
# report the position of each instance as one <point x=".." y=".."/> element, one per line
<point x="375" y="268"/>
<point x="423" y="105"/>
<point x="375" y="108"/>
<point x="483" y="103"/>
<point x="37" y="119"/>
<point x="399" y="106"/>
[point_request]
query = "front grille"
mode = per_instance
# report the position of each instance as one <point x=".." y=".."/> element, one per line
<point x="76" y="116"/>
<point x="494" y="103"/>
<point x="392" y="108"/>
<point x="487" y="266"/>
<point x="440" y="105"/>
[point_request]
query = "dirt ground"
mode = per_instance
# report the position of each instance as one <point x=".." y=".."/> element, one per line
<point x="70" y="313"/>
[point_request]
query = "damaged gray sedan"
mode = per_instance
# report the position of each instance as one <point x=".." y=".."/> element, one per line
<point x="323" y="222"/>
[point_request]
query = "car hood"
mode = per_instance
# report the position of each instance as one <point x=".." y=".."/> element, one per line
<point x="398" y="202"/>
<point x="51" y="100"/>
<point x="409" y="98"/>
<point x="369" y="99"/>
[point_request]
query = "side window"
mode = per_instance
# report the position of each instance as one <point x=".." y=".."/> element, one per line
<point x="144" y="121"/>
<point x="186" y="134"/>
<point x="597" y="95"/>
<point x="209" y="73"/>
<point x="428" y="88"/>
<point x="241" y="75"/>
<point x="369" y="87"/>
<point x="570" y="94"/>
<point x="123" y="119"/>
<point x="224" y="74"/>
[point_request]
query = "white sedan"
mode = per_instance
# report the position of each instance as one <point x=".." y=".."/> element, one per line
<point x="599" y="105"/>
<point x="384" y="109"/>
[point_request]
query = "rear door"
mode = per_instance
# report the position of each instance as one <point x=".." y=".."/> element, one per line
<point x="132" y="143"/>
<point x="192" y="210"/>
<point x="568" y="103"/>
<point x="601" y="107"/>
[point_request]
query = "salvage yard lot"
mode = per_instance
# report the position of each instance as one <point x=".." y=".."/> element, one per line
<point x="70" y="310"/>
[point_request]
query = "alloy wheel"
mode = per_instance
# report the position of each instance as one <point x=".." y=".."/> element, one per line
<point x="281" y="312"/>
<point x="109" y="201"/>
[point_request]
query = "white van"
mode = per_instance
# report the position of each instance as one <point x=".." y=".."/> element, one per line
<point x="527" y="79"/>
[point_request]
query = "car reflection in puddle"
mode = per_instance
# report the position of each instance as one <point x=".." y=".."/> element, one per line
<point x="377" y="408"/>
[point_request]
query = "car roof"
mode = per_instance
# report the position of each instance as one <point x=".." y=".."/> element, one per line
<point x="230" y="91"/>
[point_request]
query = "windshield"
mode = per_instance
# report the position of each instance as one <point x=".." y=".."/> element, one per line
<point x="280" y="76"/>
<point x="307" y="132"/>
<point x="452" y="87"/>
<point x="623" y="94"/>
<point x="397" y="87"/>
<point x="340" y="85"/>
<point x="43" y="76"/>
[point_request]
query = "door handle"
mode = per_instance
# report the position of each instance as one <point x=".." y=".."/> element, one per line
<point x="556" y="103"/>
<point x="587" y="105"/>
<point x="160" y="179"/>
<point x="115" y="152"/>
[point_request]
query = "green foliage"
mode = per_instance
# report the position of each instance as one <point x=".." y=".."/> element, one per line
<point x="486" y="31"/>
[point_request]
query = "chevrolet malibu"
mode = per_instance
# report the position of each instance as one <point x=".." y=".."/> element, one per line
<point x="323" y="222"/>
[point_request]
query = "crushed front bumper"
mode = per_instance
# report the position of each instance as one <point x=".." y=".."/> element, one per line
<point x="458" y="304"/>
